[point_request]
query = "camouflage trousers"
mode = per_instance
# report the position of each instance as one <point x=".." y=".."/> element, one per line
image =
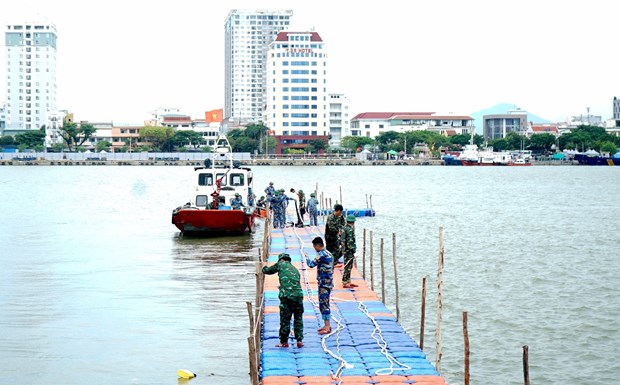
<point x="288" y="309"/>
<point x="324" y="294"/>
<point x="332" y="244"/>
<point x="348" y="265"/>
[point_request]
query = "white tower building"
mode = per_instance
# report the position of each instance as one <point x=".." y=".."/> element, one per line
<point x="248" y="34"/>
<point x="297" y="100"/>
<point x="31" y="75"/>
<point x="339" y="119"/>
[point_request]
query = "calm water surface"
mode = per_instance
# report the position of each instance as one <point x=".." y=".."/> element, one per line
<point x="96" y="287"/>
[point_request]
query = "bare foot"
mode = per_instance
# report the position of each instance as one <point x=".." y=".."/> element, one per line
<point x="282" y="346"/>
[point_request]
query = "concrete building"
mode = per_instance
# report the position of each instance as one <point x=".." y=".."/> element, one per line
<point x="497" y="126"/>
<point x="371" y="124"/>
<point x="31" y="75"/>
<point x="248" y="34"/>
<point x="53" y="126"/>
<point x="339" y="118"/>
<point x="616" y="114"/>
<point x="2" y="118"/>
<point x="296" y="98"/>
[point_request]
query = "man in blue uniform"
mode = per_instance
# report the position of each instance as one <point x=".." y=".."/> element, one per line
<point x="236" y="203"/>
<point x="312" y="209"/>
<point x="324" y="263"/>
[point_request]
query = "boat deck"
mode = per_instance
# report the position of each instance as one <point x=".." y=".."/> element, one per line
<point x="367" y="346"/>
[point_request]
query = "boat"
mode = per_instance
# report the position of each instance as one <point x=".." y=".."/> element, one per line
<point x="594" y="159"/>
<point x="520" y="162"/>
<point x="209" y="210"/>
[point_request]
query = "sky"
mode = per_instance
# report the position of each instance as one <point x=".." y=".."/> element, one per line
<point x="120" y="60"/>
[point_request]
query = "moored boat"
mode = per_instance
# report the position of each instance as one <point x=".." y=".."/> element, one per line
<point x="211" y="208"/>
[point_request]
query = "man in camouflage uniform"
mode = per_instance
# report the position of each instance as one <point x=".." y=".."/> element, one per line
<point x="333" y="231"/>
<point x="324" y="262"/>
<point x="312" y="209"/>
<point x="291" y="299"/>
<point x="270" y="190"/>
<point x="349" y="248"/>
<point x="236" y="203"/>
<point x="283" y="204"/>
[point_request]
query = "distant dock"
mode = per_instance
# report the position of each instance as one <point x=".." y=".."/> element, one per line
<point x="367" y="346"/>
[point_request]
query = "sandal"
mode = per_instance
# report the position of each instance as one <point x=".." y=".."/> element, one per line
<point x="323" y="331"/>
<point x="300" y="344"/>
<point x="282" y="346"/>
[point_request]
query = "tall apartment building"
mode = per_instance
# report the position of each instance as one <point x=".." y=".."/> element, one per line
<point x="31" y="75"/>
<point x="616" y="108"/>
<point x="248" y="34"/>
<point x="339" y="119"/>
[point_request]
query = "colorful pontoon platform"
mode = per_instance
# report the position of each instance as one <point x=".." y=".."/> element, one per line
<point x="367" y="345"/>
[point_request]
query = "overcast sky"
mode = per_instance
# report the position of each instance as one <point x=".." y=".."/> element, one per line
<point x="119" y="60"/>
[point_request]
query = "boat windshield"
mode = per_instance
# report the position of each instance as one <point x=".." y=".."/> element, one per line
<point x="205" y="179"/>
<point x="236" y="179"/>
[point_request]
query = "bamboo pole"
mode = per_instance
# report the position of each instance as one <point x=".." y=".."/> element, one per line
<point x="439" y="302"/>
<point x="396" y="276"/>
<point x="466" y="343"/>
<point x="252" y="354"/>
<point x="423" y="313"/>
<point x="526" y="366"/>
<point x="382" y="275"/>
<point x="340" y="195"/>
<point x="364" y="256"/>
<point x="252" y="346"/>
<point x="366" y="200"/>
<point x="372" y="273"/>
<point x="371" y="202"/>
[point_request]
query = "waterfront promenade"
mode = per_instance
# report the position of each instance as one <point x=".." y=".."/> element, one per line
<point x="367" y="344"/>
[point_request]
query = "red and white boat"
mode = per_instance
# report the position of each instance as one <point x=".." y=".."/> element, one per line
<point x="209" y="210"/>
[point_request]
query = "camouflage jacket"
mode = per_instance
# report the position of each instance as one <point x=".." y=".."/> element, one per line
<point x="289" y="279"/>
<point x="334" y="226"/>
<point x="325" y="268"/>
<point x="312" y="205"/>
<point x="302" y="200"/>
<point x="348" y="240"/>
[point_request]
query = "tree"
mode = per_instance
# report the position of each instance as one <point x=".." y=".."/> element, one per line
<point x="271" y="144"/>
<point x="316" y="145"/>
<point x="183" y="137"/>
<point x="516" y="141"/>
<point x="58" y="147"/>
<point x="542" y="142"/>
<point x="389" y="139"/>
<point x="7" y="140"/>
<point x="75" y="135"/>
<point x="460" y="140"/>
<point x="158" y="135"/>
<point x="499" y="144"/>
<point x="104" y="145"/>
<point x="609" y="147"/>
<point x="31" y="139"/>
<point x="355" y="142"/>
<point x="256" y="131"/>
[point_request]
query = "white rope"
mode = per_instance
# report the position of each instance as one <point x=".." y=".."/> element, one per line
<point x="343" y="363"/>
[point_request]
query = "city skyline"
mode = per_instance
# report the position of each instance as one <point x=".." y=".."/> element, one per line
<point x="120" y="61"/>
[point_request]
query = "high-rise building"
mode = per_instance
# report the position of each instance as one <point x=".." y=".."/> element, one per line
<point x="31" y="75"/>
<point x="248" y="34"/>
<point x="616" y="108"/>
<point x="296" y="105"/>
<point x="339" y="119"/>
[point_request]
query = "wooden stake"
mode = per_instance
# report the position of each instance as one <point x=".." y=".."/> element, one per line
<point x="371" y="202"/>
<point x="396" y="276"/>
<point x="253" y="366"/>
<point x="526" y="366"/>
<point x="439" y="302"/>
<point x="364" y="256"/>
<point x="423" y="313"/>
<point x="466" y="338"/>
<point x="372" y="273"/>
<point x="366" y="200"/>
<point x="340" y="195"/>
<point x="382" y="275"/>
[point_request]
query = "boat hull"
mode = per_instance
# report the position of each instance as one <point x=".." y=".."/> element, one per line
<point x="212" y="222"/>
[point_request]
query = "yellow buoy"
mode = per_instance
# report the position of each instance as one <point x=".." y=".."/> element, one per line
<point x="186" y="373"/>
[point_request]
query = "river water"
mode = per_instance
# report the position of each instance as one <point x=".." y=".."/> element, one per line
<point x="97" y="287"/>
